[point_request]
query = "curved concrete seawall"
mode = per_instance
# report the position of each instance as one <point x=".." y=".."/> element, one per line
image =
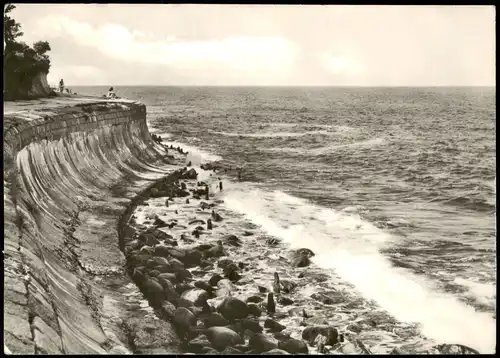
<point x="70" y="173"/>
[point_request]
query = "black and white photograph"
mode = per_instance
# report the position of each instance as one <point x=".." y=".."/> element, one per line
<point x="223" y="179"/>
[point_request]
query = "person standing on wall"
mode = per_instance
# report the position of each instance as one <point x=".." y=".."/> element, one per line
<point x="61" y="86"/>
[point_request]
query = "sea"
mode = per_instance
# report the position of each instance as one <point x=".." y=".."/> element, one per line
<point x="394" y="189"/>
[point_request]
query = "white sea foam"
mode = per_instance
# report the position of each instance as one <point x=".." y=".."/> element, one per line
<point x="483" y="292"/>
<point x="349" y="245"/>
<point x="343" y="241"/>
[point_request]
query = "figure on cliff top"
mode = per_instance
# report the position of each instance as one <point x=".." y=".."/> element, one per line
<point x="61" y="85"/>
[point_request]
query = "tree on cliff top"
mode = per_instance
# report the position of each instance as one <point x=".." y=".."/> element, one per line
<point x="22" y="63"/>
<point x="11" y="28"/>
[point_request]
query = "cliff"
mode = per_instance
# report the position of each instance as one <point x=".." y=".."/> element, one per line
<point x="71" y="169"/>
<point x="40" y="87"/>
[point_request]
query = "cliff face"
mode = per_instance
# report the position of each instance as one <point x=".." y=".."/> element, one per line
<point x="40" y="87"/>
<point x="70" y="174"/>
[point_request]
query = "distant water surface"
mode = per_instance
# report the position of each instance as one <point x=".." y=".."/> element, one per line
<point x="394" y="188"/>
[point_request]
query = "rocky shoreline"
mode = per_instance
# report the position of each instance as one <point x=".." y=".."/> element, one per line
<point x="227" y="288"/>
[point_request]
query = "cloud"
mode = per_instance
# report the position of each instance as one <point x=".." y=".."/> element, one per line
<point x="77" y="73"/>
<point x="261" y="54"/>
<point x="279" y="45"/>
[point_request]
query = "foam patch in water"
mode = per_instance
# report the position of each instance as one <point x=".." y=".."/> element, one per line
<point x="350" y="246"/>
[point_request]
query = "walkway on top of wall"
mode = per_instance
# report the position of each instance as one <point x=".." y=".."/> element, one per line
<point x="47" y="104"/>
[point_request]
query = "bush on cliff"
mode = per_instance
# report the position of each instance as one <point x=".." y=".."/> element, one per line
<point x="22" y="63"/>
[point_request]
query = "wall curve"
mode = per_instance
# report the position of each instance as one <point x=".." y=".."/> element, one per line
<point x="69" y="175"/>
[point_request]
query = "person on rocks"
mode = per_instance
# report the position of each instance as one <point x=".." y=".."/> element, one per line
<point x="209" y="224"/>
<point x="220" y="185"/>
<point x="166" y="203"/>
<point x="196" y="234"/>
<point x="207" y="192"/>
<point x="239" y="169"/>
<point x="61" y="85"/>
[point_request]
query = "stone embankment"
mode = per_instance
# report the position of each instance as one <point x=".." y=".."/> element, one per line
<point x="71" y="168"/>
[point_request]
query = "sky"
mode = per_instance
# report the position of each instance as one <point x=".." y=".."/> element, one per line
<point x="277" y="45"/>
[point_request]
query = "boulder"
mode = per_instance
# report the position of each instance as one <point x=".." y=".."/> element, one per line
<point x="254" y="299"/>
<point x="198" y="344"/>
<point x="277" y="352"/>
<point x="261" y="343"/>
<point x="272" y="241"/>
<point x="167" y="310"/>
<point x="153" y="290"/>
<point x="154" y="273"/>
<point x="184" y="321"/>
<point x="215" y="320"/>
<point x="147" y="239"/>
<point x="314" y="321"/>
<point x="166" y="276"/>
<point x="183" y="275"/>
<point x="232" y="240"/>
<point x="183" y="287"/>
<point x="216" y="251"/>
<point x="176" y="253"/>
<point x="202" y="285"/>
<point x="176" y="265"/>
<point x="231" y="272"/>
<point x="318" y="277"/>
<point x="294" y="346"/>
<point x="158" y="261"/>
<point x="197" y="296"/>
<point x="254" y="310"/>
<point x="301" y="258"/>
<point x="287" y="286"/>
<point x="159" y="223"/>
<point x="203" y="204"/>
<point x="285" y="301"/>
<point x="229" y="351"/>
<point x="214" y="280"/>
<point x="330" y="298"/>
<point x="192" y="258"/>
<point x="455" y="349"/>
<point x="251" y="325"/>
<point x="216" y="217"/>
<point x="273" y="326"/>
<point x="197" y="221"/>
<point x="309" y="334"/>
<point x="222" y="337"/>
<point x="190" y="174"/>
<point x="232" y="308"/>
<point x="223" y="263"/>
<point x="162" y="251"/>
<point x="165" y="280"/>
